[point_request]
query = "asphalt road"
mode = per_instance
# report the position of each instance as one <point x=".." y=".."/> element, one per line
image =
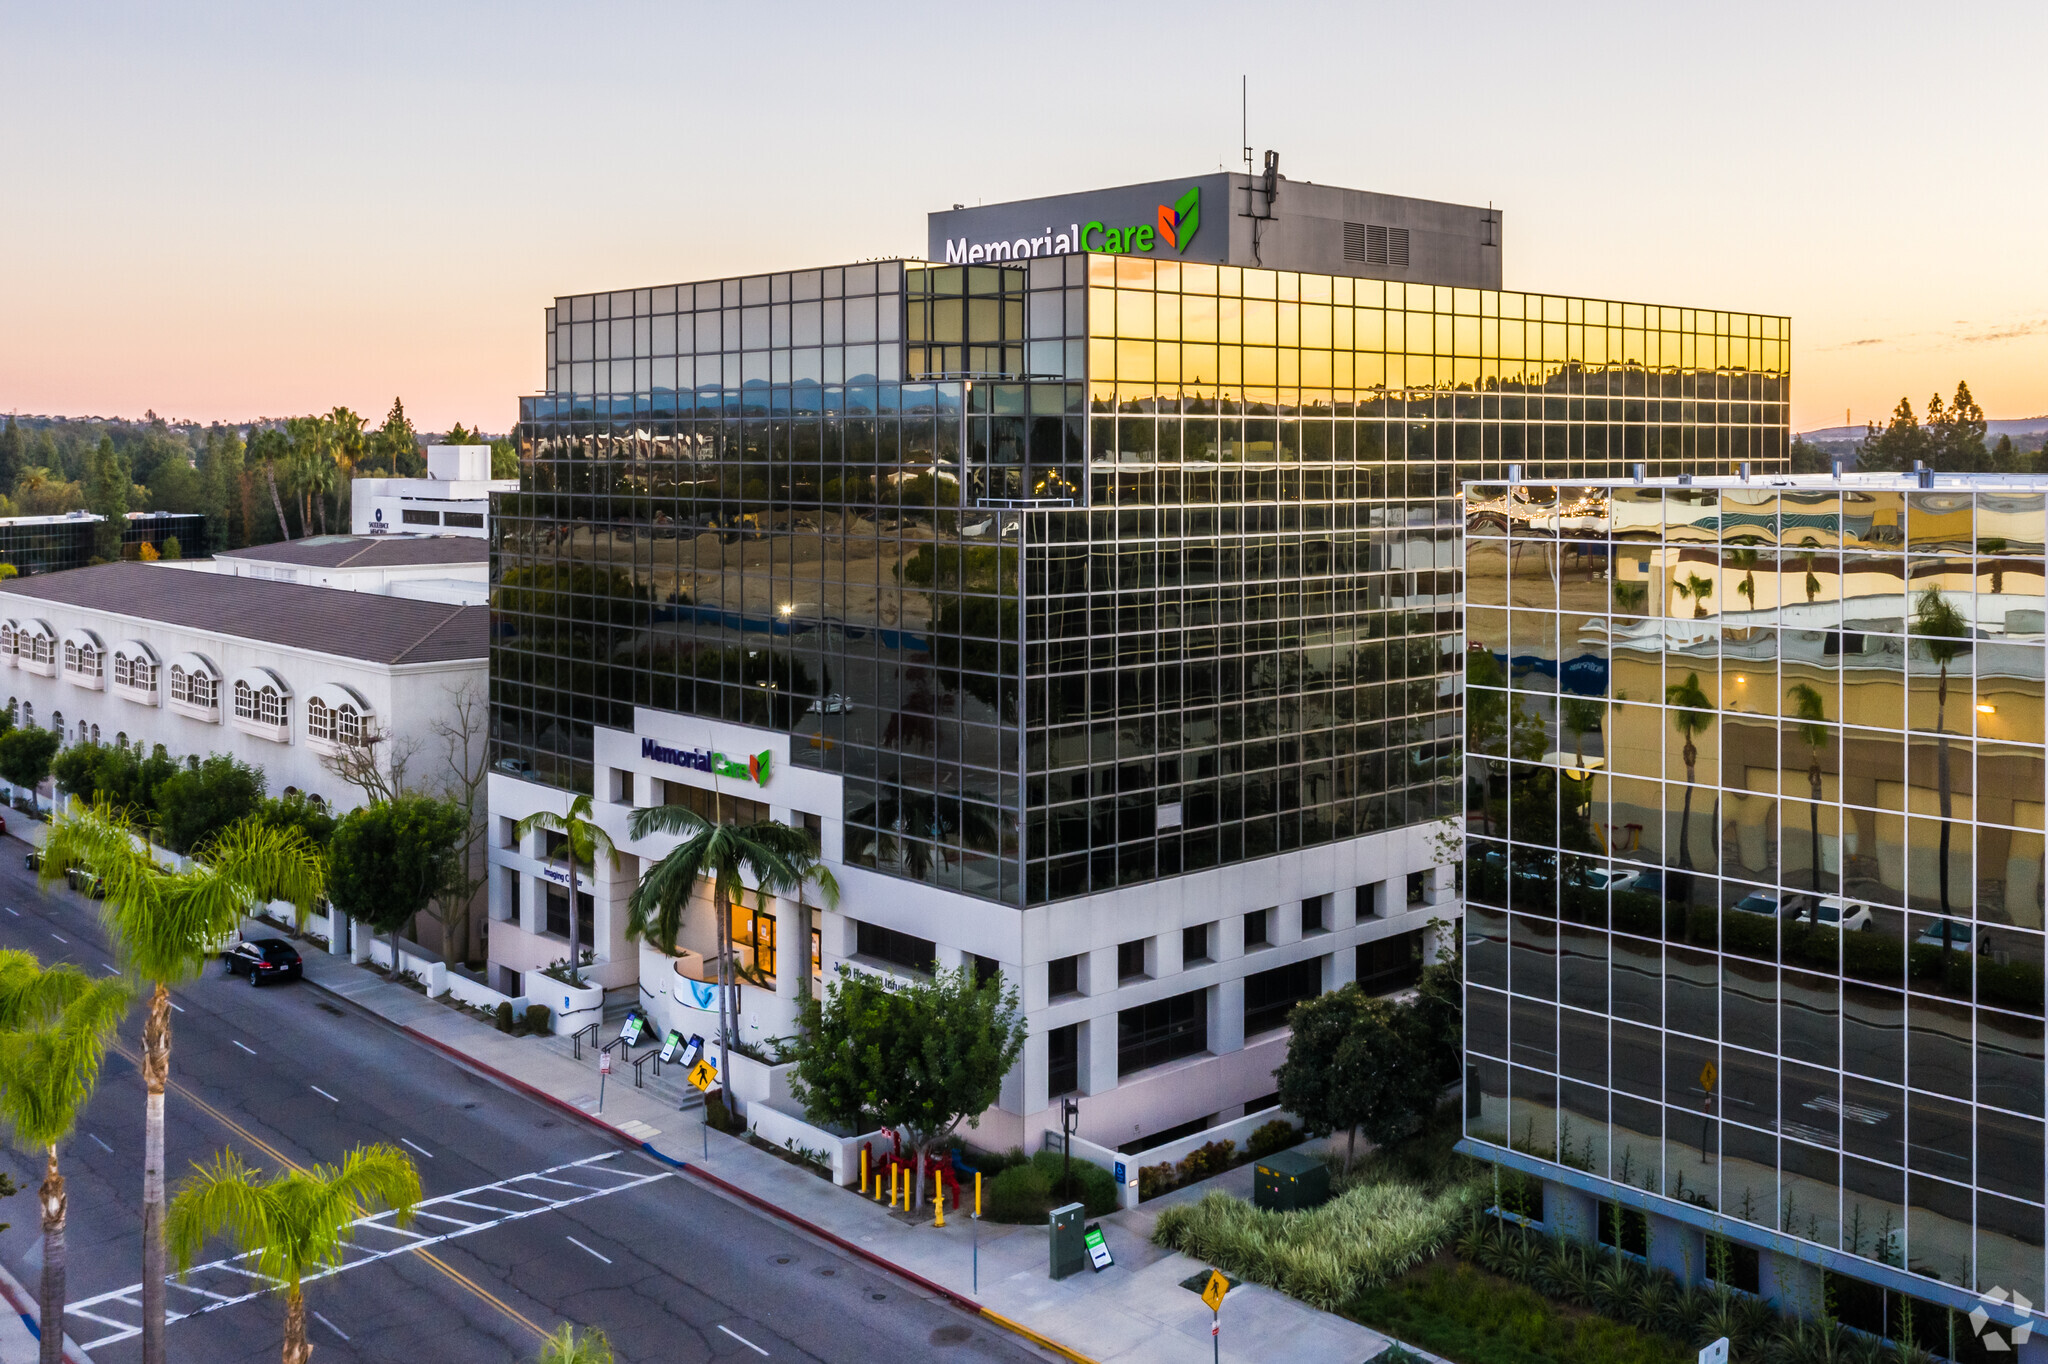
<point x="673" y="1270"/>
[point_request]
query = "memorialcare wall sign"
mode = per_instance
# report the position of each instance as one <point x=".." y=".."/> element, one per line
<point x="753" y="769"/>
<point x="1174" y="227"/>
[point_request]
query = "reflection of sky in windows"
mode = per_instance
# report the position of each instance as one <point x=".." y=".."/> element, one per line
<point x="1858" y="676"/>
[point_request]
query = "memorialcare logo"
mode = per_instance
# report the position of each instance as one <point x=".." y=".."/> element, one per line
<point x="755" y="768"/>
<point x="1179" y="220"/>
<point x="1175" y="226"/>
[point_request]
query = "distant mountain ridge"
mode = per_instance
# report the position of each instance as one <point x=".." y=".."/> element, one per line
<point x="2024" y="426"/>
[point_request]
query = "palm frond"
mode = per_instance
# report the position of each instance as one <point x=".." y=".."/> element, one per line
<point x="48" y="1072"/>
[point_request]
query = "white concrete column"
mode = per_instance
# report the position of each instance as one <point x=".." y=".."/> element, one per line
<point x="1284" y="923"/>
<point x="1099" y="972"/>
<point x="792" y="946"/>
<point x="338" y="934"/>
<point x="1098" y="1054"/>
<point x="1226" y="1016"/>
<point x="1227" y="939"/>
<point x="1166" y="954"/>
<point x="1340" y="968"/>
<point x="1024" y="1088"/>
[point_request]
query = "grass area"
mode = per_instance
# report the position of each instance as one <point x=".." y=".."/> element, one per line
<point x="1468" y="1315"/>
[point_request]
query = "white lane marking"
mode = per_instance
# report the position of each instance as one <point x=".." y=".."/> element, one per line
<point x="586" y="1249"/>
<point x="66" y="941"/>
<point x="125" y="1327"/>
<point x="330" y="1326"/>
<point x="109" y="969"/>
<point x="417" y="1147"/>
<point x="250" y="1050"/>
<point x="331" y="1099"/>
<point x="175" y="1005"/>
<point x="102" y="1145"/>
<point x="15" y="912"/>
<point x="744" y="1341"/>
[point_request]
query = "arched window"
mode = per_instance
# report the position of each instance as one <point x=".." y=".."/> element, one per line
<point x="340" y="723"/>
<point x="135" y="670"/>
<point x="28" y="713"/>
<point x="317" y="801"/>
<point x="95" y="733"/>
<point x="121" y="739"/>
<point x="57" y="724"/>
<point x="263" y="705"/>
<point x="7" y="633"/>
<point x="194" y="687"/>
<point x="81" y="658"/>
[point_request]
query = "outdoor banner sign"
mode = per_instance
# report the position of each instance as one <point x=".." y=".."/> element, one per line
<point x="670" y="1045"/>
<point x="693" y="1049"/>
<point x="1098" y="1247"/>
<point x="630" y="1031"/>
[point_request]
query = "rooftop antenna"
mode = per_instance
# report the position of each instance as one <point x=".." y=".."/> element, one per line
<point x="1245" y="119"/>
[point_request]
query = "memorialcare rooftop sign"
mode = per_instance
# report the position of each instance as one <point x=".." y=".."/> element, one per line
<point x="1162" y="220"/>
<point x="753" y="769"/>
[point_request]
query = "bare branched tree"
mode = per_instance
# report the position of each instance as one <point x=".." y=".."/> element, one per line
<point x="377" y="766"/>
<point x="466" y="750"/>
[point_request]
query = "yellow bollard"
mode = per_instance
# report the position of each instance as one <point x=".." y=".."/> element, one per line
<point x="895" y="1186"/>
<point x="863" y="1169"/>
<point x="977" y="1193"/>
<point x="939" y="1200"/>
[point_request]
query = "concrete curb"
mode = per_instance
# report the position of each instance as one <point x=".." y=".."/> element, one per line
<point x="755" y="1200"/>
<point x="20" y="1344"/>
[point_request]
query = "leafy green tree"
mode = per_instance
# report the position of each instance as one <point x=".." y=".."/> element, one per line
<point x="388" y="860"/>
<point x="504" y="459"/>
<point x="1811" y="713"/>
<point x="25" y="755"/>
<point x="1955" y="433"/>
<point x="12" y="453"/>
<point x="1692" y="713"/>
<point x="1357" y="1064"/>
<point x="394" y="441"/>
<point x="59" y="1023"/>
<point x="1439" y="1006"/>
<point x="163" y="923"/>
<point x="221" y="474"/>
<point x="779" y="860"/>
<point x="106" y="495"/>
<point x="582" y="841"/>
<point x="916" y="1057"/>
<point x="271" y="451"/>
<point x="294" y="1224"/>
<point x="1695" y="589"/>
<point x="297" y="812"/>
<point x="1944" y="634"/>
<point x="203" y="798"/>
<point x="1897" y="447"/>
<point x="172" y="549"/>
<point x="176" y="486"/>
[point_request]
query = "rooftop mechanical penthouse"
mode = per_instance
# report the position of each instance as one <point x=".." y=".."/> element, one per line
<point x="1100" y="612"/>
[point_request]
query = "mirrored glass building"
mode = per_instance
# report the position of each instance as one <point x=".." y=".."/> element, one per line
<point x="1096" y="596"/>
<point x="1755" y="788"/>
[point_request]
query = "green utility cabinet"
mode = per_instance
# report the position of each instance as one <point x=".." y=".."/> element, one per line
<point x="1069" y="1240"/>
<point x="1288" y="1181"/>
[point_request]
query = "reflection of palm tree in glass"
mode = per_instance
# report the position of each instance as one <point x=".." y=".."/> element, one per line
<point x="1696" y="589"/>
<point x="1812" y="582"/>
<point x="1994" y="544"/>
<point x="1692" y="713"/>
<point x="1808" y="709"/>
<point x="1580" y="715"/>
<point x="1942" y="632"/>
<point x="1746" y="560"/>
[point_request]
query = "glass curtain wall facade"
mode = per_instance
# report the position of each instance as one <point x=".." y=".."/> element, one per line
<point x="1755" y="795"/>
<point x="1084" y="571"/>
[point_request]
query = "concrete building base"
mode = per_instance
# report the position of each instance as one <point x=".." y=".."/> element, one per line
<point x="1679" y="1249"/>
<point x="1571" y="1214"/>
<point x="1794" y="1287"/>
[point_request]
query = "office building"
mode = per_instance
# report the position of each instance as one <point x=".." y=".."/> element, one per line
<point x="52" y="544"/>
<point x="445" y="568"/>
<point x="1754" y="797"/>
<point x="279" y="675"/>
<point x="1095" y="601"/>
<point x="453" y="499"/>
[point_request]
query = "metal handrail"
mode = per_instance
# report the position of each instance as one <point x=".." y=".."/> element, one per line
<point x="576" y="1039"/>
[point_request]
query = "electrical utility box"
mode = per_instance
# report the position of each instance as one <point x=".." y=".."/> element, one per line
<point x="1288" y="1181"/>
<point x="1069" y="1243"/>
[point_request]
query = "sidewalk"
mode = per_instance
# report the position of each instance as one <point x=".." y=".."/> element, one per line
<point x="1135" y="1312"/>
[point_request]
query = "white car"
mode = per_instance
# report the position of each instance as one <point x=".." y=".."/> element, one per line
<point x="835" y="704"/>
<point x="1766" y="902"/>
<point x="1834" y="912"/>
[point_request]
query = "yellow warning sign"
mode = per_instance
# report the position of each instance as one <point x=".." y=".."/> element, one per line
<point x="1707" y="1077"/>
<point x="1213" y="1291"/>
<point x="703" y="1074"/>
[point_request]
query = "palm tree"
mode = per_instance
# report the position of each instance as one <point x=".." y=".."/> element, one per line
<point x="1696" y="589"/>
<point x="1945" y="634"/>
<point x="297" y="1222"/>
<point x="1692" y="712"/>
<point x="1581" y="715"/>
<point x="778" y="859"/>
<point x="1811" y="713"/>
<point x="162" y="922"/>
<point x="582" y="841"/>
<point x="566" y="1347"/>
<point x="49" y="1067"/>
<point x="347" y="443"/>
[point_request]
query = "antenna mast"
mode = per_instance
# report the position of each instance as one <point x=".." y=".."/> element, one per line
<point x="1245" y="119"/>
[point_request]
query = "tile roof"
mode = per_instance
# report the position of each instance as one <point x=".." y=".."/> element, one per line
<point x="369" y="551"/>
<point x="359" y="625"/>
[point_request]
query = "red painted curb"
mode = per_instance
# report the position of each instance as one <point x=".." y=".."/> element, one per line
<point x="958" y="1299"/>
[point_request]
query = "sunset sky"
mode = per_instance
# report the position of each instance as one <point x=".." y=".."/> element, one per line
<point x="221" y="211"/>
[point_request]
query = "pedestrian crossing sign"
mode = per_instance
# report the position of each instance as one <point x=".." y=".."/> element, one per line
<point x="703" y="1075"/>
